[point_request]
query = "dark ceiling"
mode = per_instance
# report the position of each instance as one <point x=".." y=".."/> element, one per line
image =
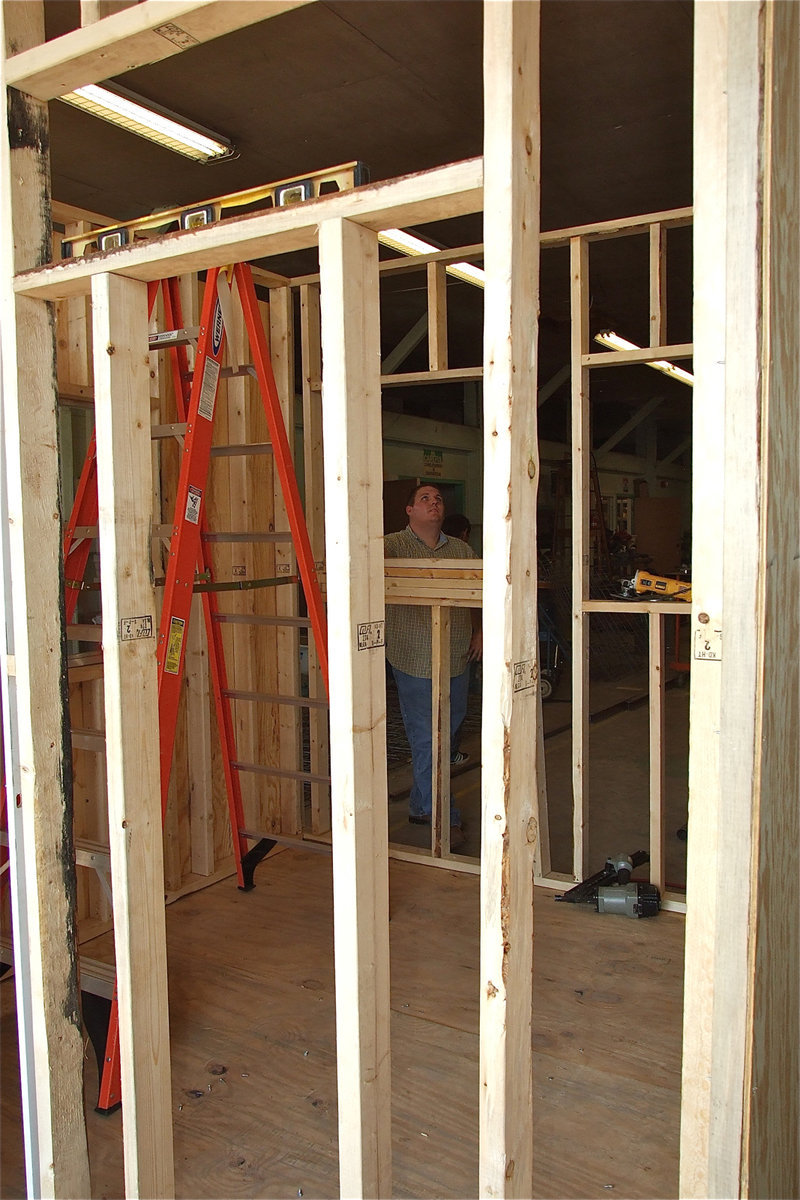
<point x="397" y="84"/>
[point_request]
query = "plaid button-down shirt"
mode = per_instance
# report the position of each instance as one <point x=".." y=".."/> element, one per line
<point x="408" y="626"/>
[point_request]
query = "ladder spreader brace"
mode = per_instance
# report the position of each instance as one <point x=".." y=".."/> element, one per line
<point x="188" y="552"/>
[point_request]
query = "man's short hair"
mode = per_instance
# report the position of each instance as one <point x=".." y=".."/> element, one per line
<point x="412" y="495"/>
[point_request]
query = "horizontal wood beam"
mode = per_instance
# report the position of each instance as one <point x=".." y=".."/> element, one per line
<point x="413" y="568"/>
<point x="602" y="230"/>
<point x="450" y="191"/>
<point x="145" y="33"/>
<point x="417" y="378"/>
<point x="679" y="607"/>
<point x="643" y="354"/>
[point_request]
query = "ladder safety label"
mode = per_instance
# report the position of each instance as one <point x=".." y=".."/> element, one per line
<point x="193" y="505"/>
<point x="208" y="390"/>
<point x="371" y="634"/>
<point x="131" y="629"/>
<point x="172" y="661"/>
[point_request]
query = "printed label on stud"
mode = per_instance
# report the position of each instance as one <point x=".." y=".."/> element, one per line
<point x="132" y="629"/>
<point x="708" y="644"/>
<point x="524" y="675"/>
<point x="371" y="634"/>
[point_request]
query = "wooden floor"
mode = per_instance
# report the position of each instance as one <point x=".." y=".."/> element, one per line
<point x="254" y="1069"/>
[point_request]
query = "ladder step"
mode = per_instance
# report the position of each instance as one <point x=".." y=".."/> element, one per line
<point x="250" y="536"/>
<point x="303" y="776"/>
<point x="267" y="698"/>
<point x="95" y="976"/>
<point x="88" y="739"/>
<point x="92" y="854"/>
<point x="245" y="585"/>
<point x="175" y="429"/>
<point x="232" y="451"/>
<point x="174" y="337"/>
<point x="232" y="372"/>
<point x="85" y="633"/>
<point x="253" y="619"/>
<point x="282" y="839"/>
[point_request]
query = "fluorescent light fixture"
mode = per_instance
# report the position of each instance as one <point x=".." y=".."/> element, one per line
<point x="131" y="112"/>
<point x="615" y="342"/>
<point x="409" y="243"/>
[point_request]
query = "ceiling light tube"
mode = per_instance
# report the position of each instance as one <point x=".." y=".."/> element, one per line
<point x="409" y="243"/>
<point x="128" y="111"/>
<point x="615" y="342"/>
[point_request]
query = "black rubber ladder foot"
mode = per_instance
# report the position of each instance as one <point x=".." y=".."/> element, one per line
<point x="251" y="860"/>
<point x="96" y="1015"/>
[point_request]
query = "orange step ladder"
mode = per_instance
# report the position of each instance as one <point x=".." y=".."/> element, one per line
<point x="188" y="552"/>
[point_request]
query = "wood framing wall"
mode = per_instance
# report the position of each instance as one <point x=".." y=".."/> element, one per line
<point x="740" y="1107"/>
<point x="740" y="1116"/>
<point x="37" y="749"/>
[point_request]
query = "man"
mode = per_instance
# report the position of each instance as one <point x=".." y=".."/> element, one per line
<point x="408" y="649"/>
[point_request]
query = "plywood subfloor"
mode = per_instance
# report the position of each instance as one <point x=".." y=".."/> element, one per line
<point x="253" y="1037"/>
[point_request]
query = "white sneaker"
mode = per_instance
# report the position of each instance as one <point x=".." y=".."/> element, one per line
<point x="458" y="758"/>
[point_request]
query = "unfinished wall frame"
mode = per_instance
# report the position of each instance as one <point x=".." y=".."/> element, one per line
<point x="740" y="1096"/>
<point x="583" y="361"/>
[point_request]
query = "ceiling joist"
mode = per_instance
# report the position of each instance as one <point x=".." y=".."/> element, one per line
<point x="145" y="33"/>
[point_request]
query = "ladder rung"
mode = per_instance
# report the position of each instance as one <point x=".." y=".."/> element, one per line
<point x="253" y="619"/>
<point x="231" y="451"/>
<point x="232" y="372"/>
<point x="95" y="976"/>
<point x="174" y="337"/>
<point x="266" y="698"/>
<point x="88" y="739"/>
<point x="252" y="536"/>
<point x="245" y="585"/>
<point x="176" y="429"/>
<point x="92" y="854"/>
<point x="304" y="776"/>
<point x="256" y="835"/>
<point x="85" y="633"/>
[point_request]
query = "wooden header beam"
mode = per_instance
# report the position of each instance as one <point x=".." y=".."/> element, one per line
<point x="450" y="191"/>
<point x="139" y="35"/>
<point x="670" y="218"/>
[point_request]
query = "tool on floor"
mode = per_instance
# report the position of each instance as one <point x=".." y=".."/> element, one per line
<point x="280" y="194"/>
<point x="644" y="583"/>
<point x="612" y="890"/>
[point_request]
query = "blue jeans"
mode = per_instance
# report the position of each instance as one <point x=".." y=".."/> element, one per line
<point x="415" y="705"/>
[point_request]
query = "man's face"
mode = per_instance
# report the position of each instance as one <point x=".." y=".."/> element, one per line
<point x="428" y="507"/>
